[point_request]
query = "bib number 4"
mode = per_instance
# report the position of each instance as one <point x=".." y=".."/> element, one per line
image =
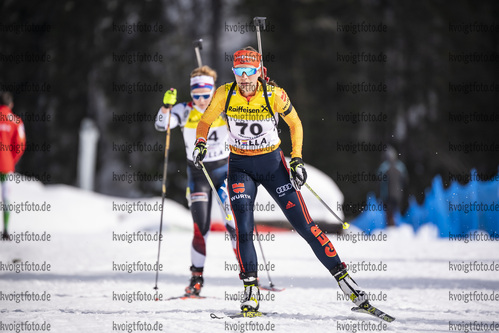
<point x="213" y="136"/>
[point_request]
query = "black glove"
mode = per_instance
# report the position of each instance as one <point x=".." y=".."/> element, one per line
<point x="298" y="172"/>
<point x="199" y="152"/>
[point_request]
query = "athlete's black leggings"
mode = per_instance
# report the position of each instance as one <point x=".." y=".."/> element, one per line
<point x="270" y="170"/>
<point x="201" y="197"/>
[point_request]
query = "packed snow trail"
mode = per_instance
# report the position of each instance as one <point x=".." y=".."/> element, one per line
<point x="96" y="273"/>
<point x="422" y="281"/>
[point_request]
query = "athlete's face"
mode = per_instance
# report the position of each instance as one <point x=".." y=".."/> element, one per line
<point x="247" y="84"/>
<point x="202" y="97"/>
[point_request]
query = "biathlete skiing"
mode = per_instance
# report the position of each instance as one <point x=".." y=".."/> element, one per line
<point x="252" y="109"/>
<point x="199" y="193"/>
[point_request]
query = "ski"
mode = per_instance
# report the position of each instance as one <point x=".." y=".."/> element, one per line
<point x="242" y="314"/>
<point x="271" y="288"/>
<point x="373" y="311"/>
<point x="183" y="297"/>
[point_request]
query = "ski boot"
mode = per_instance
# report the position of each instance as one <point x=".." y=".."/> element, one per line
<point x="356" y="295"/>
<point x="251" y="297"/>
<point x="196" y="283"/>
<point x="349" y="286"/>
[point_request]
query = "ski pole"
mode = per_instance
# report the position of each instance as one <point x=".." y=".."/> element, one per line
<point x="198" y="46"/>
<point x="163" y="194"/>
<point x="271" y="284"/>
<point x="345" y="224"/>
<point x="259" y="22"/>
<point x="227" y="216"/>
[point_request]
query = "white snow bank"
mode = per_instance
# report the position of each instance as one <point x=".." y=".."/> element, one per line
<point x="68" y="209"/>
<point x="39" y="207"/>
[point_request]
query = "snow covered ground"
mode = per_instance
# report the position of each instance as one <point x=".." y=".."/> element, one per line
<point x="428" y="284"/>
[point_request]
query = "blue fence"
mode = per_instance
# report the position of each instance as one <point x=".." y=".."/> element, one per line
<point x="457" y="210"/>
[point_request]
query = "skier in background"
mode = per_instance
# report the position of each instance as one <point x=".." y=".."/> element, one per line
<point x="199" y="193"/>
<point x="252" y="109"/>
<point x="12" y="146"/>
<point x="392" y="184"/>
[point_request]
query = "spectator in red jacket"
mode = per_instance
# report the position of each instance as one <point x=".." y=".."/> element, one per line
<point x="12" y="145"/>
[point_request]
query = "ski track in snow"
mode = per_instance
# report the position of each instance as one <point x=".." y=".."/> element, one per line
<point x="81" y="282"/>
<point x="415" y="288"/>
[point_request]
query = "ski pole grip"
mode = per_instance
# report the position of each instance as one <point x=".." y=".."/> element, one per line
<point x="259" y="21"/>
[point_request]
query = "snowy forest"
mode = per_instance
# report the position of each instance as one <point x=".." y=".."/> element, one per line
<point x="419" y="76"/>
